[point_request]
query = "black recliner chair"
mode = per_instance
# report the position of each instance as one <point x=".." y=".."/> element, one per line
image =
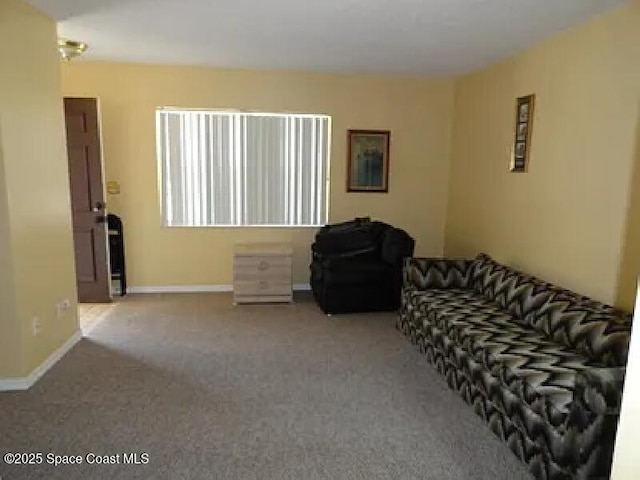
<point x="357" y="266"/>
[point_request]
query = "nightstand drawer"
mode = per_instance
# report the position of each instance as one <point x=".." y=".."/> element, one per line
<point x="271" y="267"/>
<point x="262" y="287"/>
<point x="265" y="261"/>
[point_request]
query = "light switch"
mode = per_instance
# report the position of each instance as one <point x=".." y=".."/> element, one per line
<point x="113" y="188"/>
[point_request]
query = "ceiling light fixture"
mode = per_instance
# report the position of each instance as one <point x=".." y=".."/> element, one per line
<point x="70" y="49"/>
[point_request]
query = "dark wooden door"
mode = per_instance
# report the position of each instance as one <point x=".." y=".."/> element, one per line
<point x="87" y="199"/>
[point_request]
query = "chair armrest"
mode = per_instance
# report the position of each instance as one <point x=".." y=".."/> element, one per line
<point x="425" y="273"/>
<point x="396" y="246"/>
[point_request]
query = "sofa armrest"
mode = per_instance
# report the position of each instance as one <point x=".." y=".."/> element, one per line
<point x="424" y="273"/>
<point x="599" y="390"/>
<point x="593" y="420"/>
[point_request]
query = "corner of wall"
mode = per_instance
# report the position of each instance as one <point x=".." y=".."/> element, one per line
<point x="629" y="269"/>
<point x="10" y="349"/>
<point x="446" y="249"/>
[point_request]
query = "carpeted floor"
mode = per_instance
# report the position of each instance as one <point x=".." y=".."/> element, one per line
<point x="212" y="391"/>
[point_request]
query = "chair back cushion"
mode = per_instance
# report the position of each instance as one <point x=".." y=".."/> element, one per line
<point x="353" y="236"/>
<point x="593" y="328"/>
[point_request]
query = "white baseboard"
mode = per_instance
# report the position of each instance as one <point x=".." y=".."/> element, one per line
<point x="25" y="383"/>
<point x="197" y="288"/>
<point x="179" y="288"/>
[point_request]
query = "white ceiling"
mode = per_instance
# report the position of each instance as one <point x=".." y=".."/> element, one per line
<point x="436" y="37"/>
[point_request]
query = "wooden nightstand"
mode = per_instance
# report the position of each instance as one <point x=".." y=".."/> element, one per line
<point x="262" y="273"/>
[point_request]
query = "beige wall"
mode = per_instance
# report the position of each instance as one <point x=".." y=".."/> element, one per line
<point x="417" y="111"/>
<point x="564" y="220"/>
<point x="36" y="213"/>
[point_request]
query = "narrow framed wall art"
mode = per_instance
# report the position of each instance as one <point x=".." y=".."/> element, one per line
<point x="524" y="126"/>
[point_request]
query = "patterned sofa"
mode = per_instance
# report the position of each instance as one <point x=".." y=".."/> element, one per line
<point x="541" y="365"/>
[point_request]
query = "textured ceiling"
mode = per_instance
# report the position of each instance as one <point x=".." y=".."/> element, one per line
<point x="435" y="37"/>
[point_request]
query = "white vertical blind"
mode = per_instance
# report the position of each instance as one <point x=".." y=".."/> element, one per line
<point x="235" y="169"/>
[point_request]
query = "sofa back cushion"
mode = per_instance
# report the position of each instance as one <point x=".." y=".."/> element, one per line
<point x="436" y="273"/>
<point x="516" y="292"/>
<point x="593" y="328"/>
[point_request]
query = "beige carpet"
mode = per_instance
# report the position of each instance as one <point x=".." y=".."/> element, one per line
<point x="212" y="391"/>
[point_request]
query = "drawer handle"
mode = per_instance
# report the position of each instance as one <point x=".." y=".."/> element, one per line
<point x="263" y="265"/>
<point x="263" y="285"/>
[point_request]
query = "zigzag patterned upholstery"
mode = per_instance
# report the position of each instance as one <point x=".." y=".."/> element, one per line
<point x="438" y="273"/>
<point x="530" y="358"/>
<point x="596" y="329"/>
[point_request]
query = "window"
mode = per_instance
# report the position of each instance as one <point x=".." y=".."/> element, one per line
<point x="243" y="169"/>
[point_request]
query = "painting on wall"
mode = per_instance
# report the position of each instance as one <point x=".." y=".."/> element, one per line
<point x="522" y="142"/>
<point x="368" y="161"/>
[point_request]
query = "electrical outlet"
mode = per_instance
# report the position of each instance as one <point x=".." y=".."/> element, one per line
<point x="36" y="324"/>
<point x="62" y="307"/>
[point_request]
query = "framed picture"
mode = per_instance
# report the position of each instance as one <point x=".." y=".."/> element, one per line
<point x="521" y="136"/>
<point x="368" y="160"/>
<point x="523" y="112"/>
<point x="522" y="141"/>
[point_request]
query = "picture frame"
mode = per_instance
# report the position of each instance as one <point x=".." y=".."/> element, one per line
<point x="522" y="136"/>
<point x="368" y="160"/>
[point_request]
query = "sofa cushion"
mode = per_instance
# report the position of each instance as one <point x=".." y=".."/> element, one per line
<point x="455" y="301"/>
<point x="601" y="336"/>
<point x="428" y="304"/>
<point x="539" y="371"/>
